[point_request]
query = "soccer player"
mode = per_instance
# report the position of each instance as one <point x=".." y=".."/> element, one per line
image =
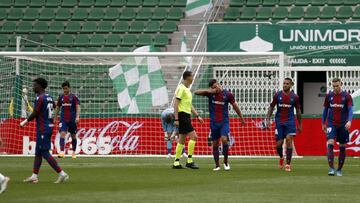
<point x="219" y="100"/>
<point x="338" y="113"/>
<point x="69" y="118"/>
<point x="43" y="112"/>
<point x="3" y="179"/>
<point x="171" y="132"/>
<point x="285" y="102"/>
<point x="182" y="110"/>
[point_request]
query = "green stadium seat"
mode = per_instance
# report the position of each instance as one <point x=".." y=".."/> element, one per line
<point x="4" y="41"/>
<point x="102" y="3"/>
<point x="63" y="14"/>
<point x="264" y="13"/>
<point x="351" y="2"/>
<point x="270" y="2"/>
<point x="8" y="27"/>
<point x="144" y="14"/>
<point x="152" y="27"/>
<point x="144" y="40"/>
<point x="40" y="27"/>
<point x="96" y="14"/>
<point x="129" y="40"/>
<point x="53" y="3"/>
<point x="286" y="2"/>
<point x="80" y="14"/>
<point x="73" y="27"/>
<point x="161" y="40"/>
<point x="134" y="3"/>
<point x="117" y="3"/>
<point x="248" y="13"/>
<point x="302" y="2"/>
<point x="318" y="2"/>
<point x="137" y="27"/>
<point x="150" y="3"/>
<point x="6" y="3"/>
<point x="35" y="40"/>
<point x="104" y="27"/>
<point x="111" y="14"/>
<point x="24" y="27"/>
<point x="113" y="40"/>
<point x="47" y="14"/>
<point x="97" y="40"/>
<point x="56" y="27"/>
<point x="65" y="40"/>
<point x="107" y="49"/>
<point x="121" y="27"/>
<point x="335" y="2"/>
<point x="86" y="3"/>
<point x="89" y="27"/>
<point x="180" y="3"/>
<point x="328" y="12"/>
<point x="166" y="3"/>
<point x="37" y="3"/>
<point x="344" y="12"/>
<point x="175" y="14"/>
<point x="31" y="14"/>
<point x="312" y="12"/>
<point x="12" y="41"/>
<point x="296" y="12"/>
<point x="280" y="13"/>
<point x="50" y="40"/>
<point x="237" y="3"/>
<point x="27" y="49"/>
<point x="15" y="14"/>
<point x="356" y="13"/>
<point x="81" y="40"/>
<point x="159" y="14"/>
<point x="3" y="13"/>
<point x="21" y="3"/>
<point x="127" y="14"/>
<point x="254" y="3"/>
<point x="168" y="27"/>
<point x="232" y="13"/>
<point x="69" y="3"/>
<point x="91" y="49"/>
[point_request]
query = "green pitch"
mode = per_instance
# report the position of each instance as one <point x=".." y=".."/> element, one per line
<point x="153" y="180"/>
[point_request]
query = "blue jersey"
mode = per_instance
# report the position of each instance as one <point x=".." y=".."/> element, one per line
<point x="44" y="106"/>
<point x="285" y="104"/>
<point x="68" y="103"/>
<point x="338" y="107"/>
<point x="219" y="106"/>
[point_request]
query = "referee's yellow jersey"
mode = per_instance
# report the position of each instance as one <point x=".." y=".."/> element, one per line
<point x="184" y="95"/>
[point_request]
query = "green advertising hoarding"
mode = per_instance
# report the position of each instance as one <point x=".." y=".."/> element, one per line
<point x="310" y="44"/>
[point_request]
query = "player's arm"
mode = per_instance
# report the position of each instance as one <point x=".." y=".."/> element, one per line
<point x="325" y="114"/>
<point x="299" y="118"/>
<point x="78" y="109"/>
<point x="270" y="110"/>
<point x="57" y="109"/>
<point x="193" y="110"/>
<point x="36" y="111"/>
<point x="176" y="112"/>
<point x="205" y="92"/>
<point x="238" y="112"/>
<point x="350" y="112"/>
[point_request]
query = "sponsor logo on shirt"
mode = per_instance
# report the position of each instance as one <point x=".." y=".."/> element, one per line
<point x="285" y="105"/>
<point x="337" y="105"/>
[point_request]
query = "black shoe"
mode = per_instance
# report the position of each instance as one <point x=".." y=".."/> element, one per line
<point x="192" y="165"/>
<point x="178" y="167"/>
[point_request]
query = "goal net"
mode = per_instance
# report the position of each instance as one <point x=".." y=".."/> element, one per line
<point x="122" y="96"/>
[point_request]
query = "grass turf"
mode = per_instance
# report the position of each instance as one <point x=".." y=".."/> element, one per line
<point x="153" y="180"/>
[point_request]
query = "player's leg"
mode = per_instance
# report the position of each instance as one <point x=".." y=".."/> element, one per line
<point x="279" y="136"/>
<point x="168" y="141"/>
<point x="289" y="150"/>
<point x="215" y="145"/>
<point x="178" y="150"/>
<point x="343" y="138"/>
<point x="225" y="131"/>
<point x="73" y="131"/>
<point x="63" y="130"/>
<point x="3" y="183"/>
<point x="37" y="162"/>
<point x="331" y="135"/>
<point x="191" y="148"/>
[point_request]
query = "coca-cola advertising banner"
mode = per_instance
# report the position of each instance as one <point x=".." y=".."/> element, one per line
<point x="144" y="136"/>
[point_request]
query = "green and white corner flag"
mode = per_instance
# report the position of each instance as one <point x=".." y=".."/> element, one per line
<point x="194" y="7"/>
<point x="187" y="59"/>
<point x="356" y="101"/>
<point x="139" y="83"/>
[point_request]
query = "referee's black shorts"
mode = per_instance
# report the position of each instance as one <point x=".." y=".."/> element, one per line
<point x="185" y="126"/>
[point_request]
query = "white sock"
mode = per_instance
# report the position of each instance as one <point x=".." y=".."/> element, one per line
<point x="62" y="173"/>
<point x="2" y="178"/>
<point x="34" y="175"/>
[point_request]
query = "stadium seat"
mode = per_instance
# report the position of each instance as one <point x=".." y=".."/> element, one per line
<point x="113" y="40"/>
<point x="50" y="39"/>
<point x="111" y="14"/>
<point x="127" y="14"/>
<point x="97" y="40"/>
<point x="169" y="27"/>
<point x="4" y="41"/>
<point x="334" y="2"/>
<point x="237" y="3"/>
<point x="166" y="3"/>
<point x="159" y="14"/>
<point x="80" y="14"/>
<point x="96" y="14"/>
<point x="248" y="13"/>
<point x="24" y="27"/>
<point x="31" y="14"/>
<point x="152" y="27"/>
<point x="3" y="13"/>
<point x="302" y="2"/>
<point x="15" y="14"/>
<point x="73" y="27"/>
<point x="328" y="12"/>
<point x="161" y="40"/>
<point x="65" y="40"/>
<point x="102" y="3"/>
<point x="8" y="27"/>
<point x="89" y="27"/>
<point x="232" y="13"/>
<point x="296" y="12"/>
<point x="40" y="27"/>
<point x="270" y="2"/>
<point x="81" y="40"/>
<point x="69" y="3"/>
<point x="144" y="39"/>
<point x="286" y="2"/>
<point x="37" y="3"/>
<point x="104" y="27"/>
<point x="351" y="2"/>
<point x="180" y="3"/>
<point x="56" y="27"/>
<point x="318" y="2"/>
<point x="129" y="40"/>
<point x="344" y="12"/>
<point x="255" y="3"/>
<point x="6" y="3"/>
<point x="63" y="14"/>
<point x="117" y="3"/>
<point x="47" y="14"/>
<point x="137" y="27"/>
<point x="280" y="13"/>
<point x="134" y="3"/>
<point x="121" y="27"/>
<point x="35" y="40"/>
<point x="21" y="3"/>
<point x="86" y="3"/>
<point x="175" y="14"/>
<point x="144" y="14"/>
<point x="264" y="13"/>
<point x="150" y="3"/>
<point x="356" y="13"/>
<point x="53" y="3"/>
<point x="312" y="12"/>
<point x="107" y="49"/>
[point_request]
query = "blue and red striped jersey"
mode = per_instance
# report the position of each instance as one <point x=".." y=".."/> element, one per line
<point x="219" y="106"/>
<point x="68" y="103"/>
<point x="338" y="107"/>
<point x="44" y="106"/>
<point x="285" y="104"/>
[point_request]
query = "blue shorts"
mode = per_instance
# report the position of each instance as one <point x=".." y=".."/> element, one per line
<point x="282" y="130"/>
<point x="219" y="129"/>
<point x="170" y="128"/>
<point x="43" y="142"/>
<point x="68" y="127"/>
<point x="338" y="133"/>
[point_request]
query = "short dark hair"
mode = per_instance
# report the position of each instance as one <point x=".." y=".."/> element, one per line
<point x="186" y="74"/>
<point x="42" y="82"/>
<point x="212" y="82"/>
<point x="168" y="118"/>
<point x="289" y="79"/>
<point x="336" y="80"/>
<point x="66" y="83"/>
